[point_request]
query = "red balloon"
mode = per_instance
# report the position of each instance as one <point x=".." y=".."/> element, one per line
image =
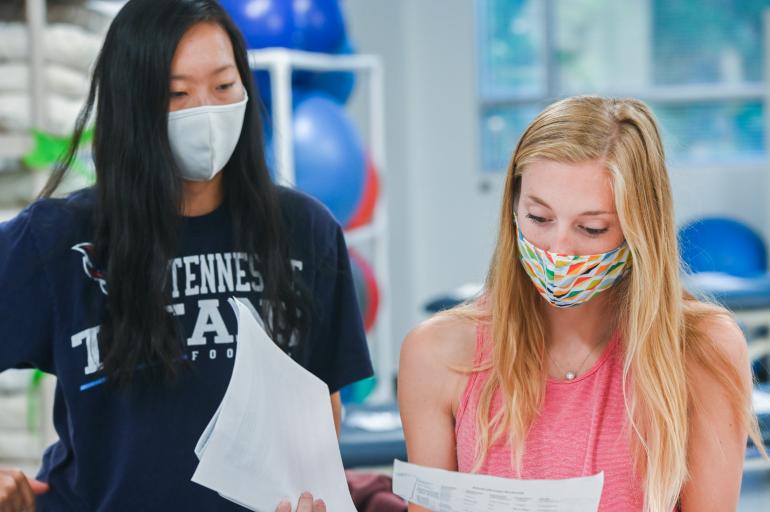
<point x="364" y="213"/>
<point x="372" y="289"/>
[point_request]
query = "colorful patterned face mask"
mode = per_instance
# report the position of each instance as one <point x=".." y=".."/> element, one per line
<point x="566" y="281"/>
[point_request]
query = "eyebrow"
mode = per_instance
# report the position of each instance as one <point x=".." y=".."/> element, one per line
<point x="584" y="214"/>
<point x="215" y="72"/>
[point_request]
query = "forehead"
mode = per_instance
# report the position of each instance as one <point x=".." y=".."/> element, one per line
<point x="202" y="46"/>
<point x="569" y="187"/>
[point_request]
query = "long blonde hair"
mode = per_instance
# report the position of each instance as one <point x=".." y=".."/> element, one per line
<point x="657" y="319"/>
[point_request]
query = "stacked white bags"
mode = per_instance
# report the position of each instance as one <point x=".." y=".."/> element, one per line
<point x="70" y="52"/>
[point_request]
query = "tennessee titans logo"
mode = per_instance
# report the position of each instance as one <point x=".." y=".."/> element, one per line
<point x="86" y="249"/>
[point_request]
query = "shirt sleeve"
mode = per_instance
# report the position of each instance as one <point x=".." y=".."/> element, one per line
<point x="338" y="350"/>
<point x="26" y="306"/>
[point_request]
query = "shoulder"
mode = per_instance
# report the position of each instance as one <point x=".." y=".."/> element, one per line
<point x="52" y="219"/>
<point x="435" y="364"/>
<point x="436" y="359"/>
<point x="303" y="209"/>
<point x="81" y="200"/>
<point x="74" y="207"/>
<point x="721" y="331"/>
<point x="439" y="352"/>
<point x="444" y="339"/>
<point x="309" y="222"/>
<point x="717" y="356"/>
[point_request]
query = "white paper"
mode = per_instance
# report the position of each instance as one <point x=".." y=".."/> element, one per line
<point x="273" y="435"/>
<point x="449" y="491"/>
<point x="761" y="402"/>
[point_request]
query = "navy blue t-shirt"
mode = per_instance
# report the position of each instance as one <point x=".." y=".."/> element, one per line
<point x="133" y="450"/>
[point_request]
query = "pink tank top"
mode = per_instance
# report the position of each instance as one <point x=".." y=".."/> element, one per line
<point x="581" y="431"/>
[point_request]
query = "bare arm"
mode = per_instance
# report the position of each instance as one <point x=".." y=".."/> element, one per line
<point x="428" y="390"/>
<point x="717" y="437"/>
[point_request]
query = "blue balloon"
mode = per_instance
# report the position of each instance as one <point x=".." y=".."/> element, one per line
<point x="311" y="25"/>
<point x="264" y="23"/>
<point x="338" y="84"/>
<point x="717" y="244"/>
<point x="329" y="160"/>
<point x="319" y="26"/>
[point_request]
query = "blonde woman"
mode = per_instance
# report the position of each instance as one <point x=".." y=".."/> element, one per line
<point x="584" y="353"/>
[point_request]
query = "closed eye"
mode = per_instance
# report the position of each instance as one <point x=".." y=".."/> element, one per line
<point x="178" y="94"/>
<point x="224" y="87"/>
<point x="535" y="218"/>
<point x="594" y="231"/>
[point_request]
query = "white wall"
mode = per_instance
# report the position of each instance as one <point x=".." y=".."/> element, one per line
<point x="740" y="192"/>
<point x="441" y="223"/>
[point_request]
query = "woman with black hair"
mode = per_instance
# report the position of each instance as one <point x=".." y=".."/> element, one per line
<point x="121" y="290"/>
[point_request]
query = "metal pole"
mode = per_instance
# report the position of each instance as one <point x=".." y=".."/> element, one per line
<point x="385" y="353"/>
<point x="38" y="102"/>
<point x="280" y="86"/>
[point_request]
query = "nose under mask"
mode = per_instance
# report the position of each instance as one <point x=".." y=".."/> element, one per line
<point x="567" y="281"/>
<point x="203" y="138"/>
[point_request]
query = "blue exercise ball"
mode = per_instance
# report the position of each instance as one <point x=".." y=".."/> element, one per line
<point x="318" y="24"/>
<point x="337" y="84"/>
<point x="310" y="25"/>
<point x="716" y="244"/>
<point x="329" y="161"/>
<point x="264" y="23"/>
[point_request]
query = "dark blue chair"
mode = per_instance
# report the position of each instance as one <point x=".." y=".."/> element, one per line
<point x="716" y="244"/>
<point x="753" y="457"/>
<point x="371" y="435"/>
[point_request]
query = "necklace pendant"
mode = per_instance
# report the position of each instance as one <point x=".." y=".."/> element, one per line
<point x="570" y="376"/>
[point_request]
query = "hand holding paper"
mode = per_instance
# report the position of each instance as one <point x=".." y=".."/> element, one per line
<point x="273" y="436"/>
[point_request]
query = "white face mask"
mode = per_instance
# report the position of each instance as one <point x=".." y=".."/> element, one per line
<point x="203" y="138"/>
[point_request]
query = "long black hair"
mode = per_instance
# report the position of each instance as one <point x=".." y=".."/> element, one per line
<point x="136" y="215"/>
